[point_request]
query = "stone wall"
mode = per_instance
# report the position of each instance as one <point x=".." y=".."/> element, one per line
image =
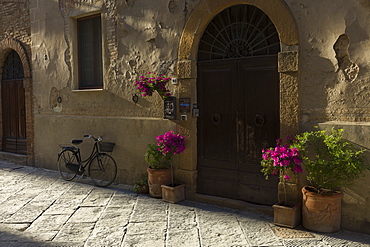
<point x="15" y="34"/>
<point x="15" y="20"/>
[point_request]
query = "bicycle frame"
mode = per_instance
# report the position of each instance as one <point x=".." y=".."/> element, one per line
<point x="77" y="151"/>
<point x="100" y="166"/>
<point x="95" y="152"/>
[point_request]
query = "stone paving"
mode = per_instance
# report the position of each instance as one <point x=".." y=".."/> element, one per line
<point x="37" y="208"/>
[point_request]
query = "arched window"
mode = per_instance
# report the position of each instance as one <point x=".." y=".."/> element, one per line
<point x="13" y="68"/>
<point x="239" y="31"/>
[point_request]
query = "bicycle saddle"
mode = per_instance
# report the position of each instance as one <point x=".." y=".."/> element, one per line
<point x="77" y="142"/>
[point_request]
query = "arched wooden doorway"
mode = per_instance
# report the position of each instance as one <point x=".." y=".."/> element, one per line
<point x="13" y="105"/>
<point x="238" y="95"/>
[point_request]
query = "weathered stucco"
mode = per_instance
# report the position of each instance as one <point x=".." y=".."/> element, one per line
<point x="323" y="65"/>
<point x="138" y="40"/>
<point x="324" y="91"/>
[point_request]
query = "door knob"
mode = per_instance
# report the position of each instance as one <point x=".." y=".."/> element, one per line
<point x="259" y="120"/>
<point x="216" y="118"/>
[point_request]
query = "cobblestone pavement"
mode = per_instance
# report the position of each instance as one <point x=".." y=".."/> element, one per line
<point x="37" y="208"/>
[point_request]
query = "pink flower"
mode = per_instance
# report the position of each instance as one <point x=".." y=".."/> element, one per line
<point x="297" y="169"/>
<point x="279" y="159"/>
<point x="170" y="144"/>
<point x="146" y="86"/>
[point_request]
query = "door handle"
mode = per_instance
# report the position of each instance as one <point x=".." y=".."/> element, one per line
<point x="216" y="118"/>
<point x="259" y="120"/>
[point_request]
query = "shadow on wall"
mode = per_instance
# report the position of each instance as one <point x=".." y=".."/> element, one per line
<point x="319" y="78"/>
<point x="355" y="205"/>
<point x="349" y="68"/>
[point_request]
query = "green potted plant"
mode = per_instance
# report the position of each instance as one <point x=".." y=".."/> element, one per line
<point x="141" y="186"/>
<point x="147" y="85"/>
<point x="283" y="160"/>
<point x="331" y="162"/>
<point x="160" y="171"/>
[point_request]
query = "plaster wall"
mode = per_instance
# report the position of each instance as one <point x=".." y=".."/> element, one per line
<point x="141" y="36"/>
<point x="327" y="96"/>
<point x="137" y="38"/>
<point x="325" y="93"/>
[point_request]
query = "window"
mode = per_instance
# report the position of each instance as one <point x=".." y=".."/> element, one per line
<point x="90" y="52"/>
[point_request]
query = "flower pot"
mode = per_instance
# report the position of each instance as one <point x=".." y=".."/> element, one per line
<point x="287" y="216"/>
<point x="173" y="194"/>
<point x="321" y="212"/>
<point x="156" y="178"/>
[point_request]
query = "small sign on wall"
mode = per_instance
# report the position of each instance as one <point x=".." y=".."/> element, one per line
<point x="184" y="104"/>
<point x="170" y="108"/>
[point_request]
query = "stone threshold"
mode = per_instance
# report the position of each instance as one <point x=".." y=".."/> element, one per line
<point x="20" y="159"/>
<point x="231" y="203"/>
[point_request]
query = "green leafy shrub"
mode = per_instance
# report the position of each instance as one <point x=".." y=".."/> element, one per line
<point x="155" y="158"/>
<point x="141" y="185"/>
<point x="159" y="155"/>
<point x="331" y="161"/>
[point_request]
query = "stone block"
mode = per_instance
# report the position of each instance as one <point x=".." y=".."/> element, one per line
<point x="184" y="238"/>
<point x="289" y="84"/>
<point x="185" y="69"/>
<point x="288" y="61"/>
<point x="189" y="178"/>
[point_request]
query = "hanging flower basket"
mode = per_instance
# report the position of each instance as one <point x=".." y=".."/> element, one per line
<point x="153" y="82"/>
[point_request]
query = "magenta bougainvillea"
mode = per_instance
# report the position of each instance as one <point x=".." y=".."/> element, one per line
<point x="170" y="143"/>
<point x="147" y="85"/>
<point x="278" y="160"/>
<point x="158" y="155"/>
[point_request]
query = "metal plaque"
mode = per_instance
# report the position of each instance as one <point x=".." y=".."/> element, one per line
<point x="170" y="108"/>
<point x="184" y="104"/>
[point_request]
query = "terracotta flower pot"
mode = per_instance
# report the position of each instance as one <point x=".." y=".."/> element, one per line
<point x="288" y="216"/>
<point x="156" y="178"/>
<point x="321" y="212"/>
<point x="173" y="194"/>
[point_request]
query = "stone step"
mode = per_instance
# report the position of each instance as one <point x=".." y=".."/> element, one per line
<point x="19" y="159"/>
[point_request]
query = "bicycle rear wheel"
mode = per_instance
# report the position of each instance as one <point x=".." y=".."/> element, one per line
<point x="103" y="170"/>
<point x="67" y="158"/>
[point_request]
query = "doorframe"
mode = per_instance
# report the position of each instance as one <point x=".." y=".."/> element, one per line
<point x="24" y="52"/>
<point x="283" y="20"/>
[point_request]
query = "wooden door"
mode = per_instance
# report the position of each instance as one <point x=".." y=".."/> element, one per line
<point x="217" y="146"/>
<point x="239" y="115"/>
<point x="13" y="105"/>
<point x="14" y="121"/>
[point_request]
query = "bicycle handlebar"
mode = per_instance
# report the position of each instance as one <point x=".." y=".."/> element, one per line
<point x="98" y="139"/>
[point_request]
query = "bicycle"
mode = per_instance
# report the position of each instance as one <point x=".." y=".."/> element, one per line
<point x="102" y="168"/>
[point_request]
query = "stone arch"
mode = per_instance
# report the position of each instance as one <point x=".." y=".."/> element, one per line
<point x="284" y="22"/>
<point x="10" y="44"/>
<point x="6" y="46"/>
<point x="276" y="10"/>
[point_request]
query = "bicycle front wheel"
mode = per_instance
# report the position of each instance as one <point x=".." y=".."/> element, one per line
<point x="67" y="159"/>
<point x="103" y="170"/>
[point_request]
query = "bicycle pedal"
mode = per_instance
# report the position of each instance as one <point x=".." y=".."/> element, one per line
<point x="81" y="170"/>
<point x="84" y="176"/>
